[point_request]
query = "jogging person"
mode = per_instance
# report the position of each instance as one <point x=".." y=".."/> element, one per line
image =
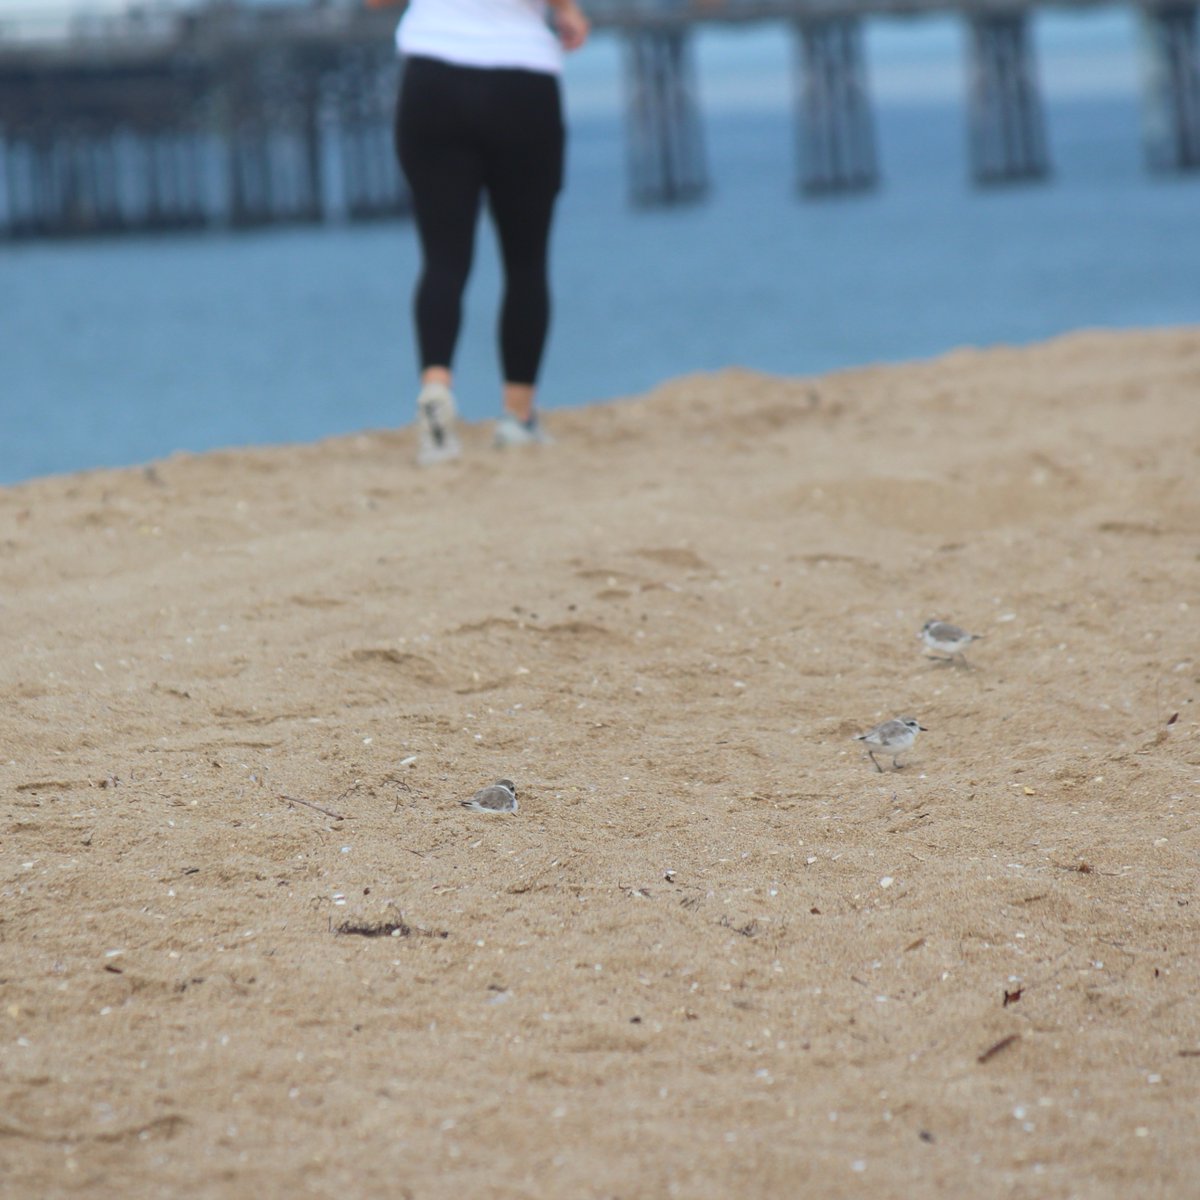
<point x="480" y="114"/>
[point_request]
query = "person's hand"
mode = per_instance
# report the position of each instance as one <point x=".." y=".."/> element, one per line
<point x="571" y="25"/>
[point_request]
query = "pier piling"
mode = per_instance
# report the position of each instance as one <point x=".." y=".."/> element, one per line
<point x="666" y="143"/>
<point x="837" y="134"/>
<point x="1173" y="88"/>
<point x="1008" y="139"/>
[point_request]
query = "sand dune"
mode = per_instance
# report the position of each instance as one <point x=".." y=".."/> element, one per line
<point x="715" y="953"/>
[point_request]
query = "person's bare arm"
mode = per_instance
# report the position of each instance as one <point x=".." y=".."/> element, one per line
<point x="570" y="23"/>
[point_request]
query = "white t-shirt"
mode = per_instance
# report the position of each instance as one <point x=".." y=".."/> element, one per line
<point x="481" y="33"/>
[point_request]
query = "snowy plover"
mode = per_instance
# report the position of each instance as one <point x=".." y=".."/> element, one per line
<point x="894" y="737"/>
<point x="498" y="797"/>
<point x="947" y="639"/>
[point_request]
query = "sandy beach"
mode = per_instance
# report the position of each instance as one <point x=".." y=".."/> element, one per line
<point x="251" y="945"/>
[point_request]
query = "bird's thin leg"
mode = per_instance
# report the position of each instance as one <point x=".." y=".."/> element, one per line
<point x="871" y="756"/>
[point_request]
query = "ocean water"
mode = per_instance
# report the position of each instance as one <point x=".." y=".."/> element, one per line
<point x="120" y="351"/>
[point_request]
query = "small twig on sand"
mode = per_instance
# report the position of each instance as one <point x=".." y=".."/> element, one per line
<point x="998" y="1047"/>
<point x="317" y="807"/>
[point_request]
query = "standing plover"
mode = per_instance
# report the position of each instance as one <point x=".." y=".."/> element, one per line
<point x="947" y="639"/>
<point x="498" y="797"/>
<point x="894" y="737"/>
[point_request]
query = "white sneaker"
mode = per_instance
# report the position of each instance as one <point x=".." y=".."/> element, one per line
<point x="436" y="440"/>
<point x="511" y="432"/>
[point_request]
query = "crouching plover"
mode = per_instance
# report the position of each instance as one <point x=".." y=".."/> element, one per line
<point x="498" y="797"/>
<point x="944" y="638"/>
<point x="894" y="737"/>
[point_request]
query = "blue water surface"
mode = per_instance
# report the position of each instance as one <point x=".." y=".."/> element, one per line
<point x="120" y="351"/>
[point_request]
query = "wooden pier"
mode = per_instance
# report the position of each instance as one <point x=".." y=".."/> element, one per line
<point x="221" y="116"/>
<point x="230" y="115"/>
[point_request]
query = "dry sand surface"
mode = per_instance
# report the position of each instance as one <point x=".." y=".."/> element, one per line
<point x="715" y="953"/>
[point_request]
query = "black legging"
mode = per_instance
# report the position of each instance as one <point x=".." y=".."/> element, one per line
<point x="461" y="132"/>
